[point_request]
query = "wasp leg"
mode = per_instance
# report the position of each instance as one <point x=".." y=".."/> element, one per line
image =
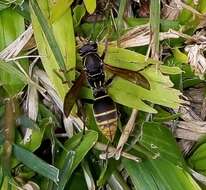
<point x="82" y="115"/>
<point x="66" y="70"/>
<point x="58" y="73"/>
<point x="107" y="150"/>
<point x="109" y="81"/>
<point x="60" y="76"/>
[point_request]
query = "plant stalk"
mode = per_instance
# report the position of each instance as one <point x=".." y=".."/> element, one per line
<point x="9" y="123"/>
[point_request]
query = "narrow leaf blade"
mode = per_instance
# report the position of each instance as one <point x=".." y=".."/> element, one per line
<point x="35" y="163"/>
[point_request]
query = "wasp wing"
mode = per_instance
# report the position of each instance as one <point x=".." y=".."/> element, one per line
<point x="73" y="93"/>
<point x="129" y="75"/>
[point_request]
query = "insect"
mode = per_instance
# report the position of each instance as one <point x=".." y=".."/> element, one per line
<point x="104" y="108"/>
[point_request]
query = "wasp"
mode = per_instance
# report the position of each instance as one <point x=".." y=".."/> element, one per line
<point x="104" y="108"/>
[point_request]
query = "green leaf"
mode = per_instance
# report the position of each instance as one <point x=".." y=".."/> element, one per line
<point x="107" y="171"/>
<point x="56" y="47"/>
<point x="7" y="183"/>
<point x="11" y="26"/>
<point x="120" y="18"/>
<point x="1" y="176"/>
<point x="11" y="69"/>
<point x="202" y="6"/>
<point x="1" y="139"/>
<point x="128" y="94"/>
<point x="48" y="33"/>
<point x="68" y="162"/>
<point x="165" y="25"/>
<point x="132" y="22"/>
<point x="26" y="122"/>
<point x="158" y="139"/>
<point x="81" y="146"/>
<point x="77" y="181"/>
<point x="164" y="115"/>
<point x="161" y="91"/>
<point x="159" y="175"/>
<point x="170" y="70"/>
<point x="132" y="95"/>
<point x="79" y="12"/>
<point x="198" y="159"/>
<point x="179" y="56"/>
<point x="37" y="133"/>
<point x="47" y="117"/>
<point x="35" y="141"/>
<point x="59" y="8"/>
<point x="35" y="163"/>
<point x="67" y="43"/>
<point x="186" y="17"/>
<point x="11" y="78"/>
<point x="126" y="59"/>
<point x="90" y="5"/>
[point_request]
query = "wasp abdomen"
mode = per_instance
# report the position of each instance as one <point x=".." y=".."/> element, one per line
<point x="105" y="114"/>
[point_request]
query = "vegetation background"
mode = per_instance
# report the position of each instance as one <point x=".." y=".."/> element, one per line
<point x="156" y="52"/>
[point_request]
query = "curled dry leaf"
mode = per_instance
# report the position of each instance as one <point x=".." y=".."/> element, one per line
<point x="187" y="114"/>
<point x="195" y="49"/>
<point x="31" y="104"/>
<point x="198" y="176"/>
<point x="171" y="11"/>
<point x="199" y="37"/>
<point x="197" y="60"/>
<point x="140" y="36"/>
<point x="185" y="146"/>
<point x="196" y="96"/>
<point x="68" y="124"/>
<point x="188" y="133"/>
<point x="16" y="46"/>
<point x="190" y="136"/>
<point x="71" y="120"/>
<point x="31" y="186"/>
<point x="193" y="127"/>
<point x="46" y="83"/>
<point x="196" y="126"/>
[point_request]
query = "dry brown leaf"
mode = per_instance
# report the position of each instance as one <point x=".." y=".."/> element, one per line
<point x="187" y="114"/>
<point x="171" y="11"/>
<point x="16" y="46"/>
<point x="196" y="58"/>
<point x="140" y="36"/>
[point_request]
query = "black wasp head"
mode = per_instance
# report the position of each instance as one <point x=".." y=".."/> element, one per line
<point x="90" y="47"/>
